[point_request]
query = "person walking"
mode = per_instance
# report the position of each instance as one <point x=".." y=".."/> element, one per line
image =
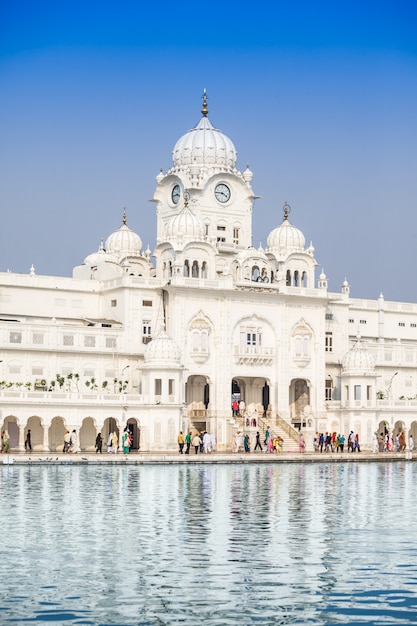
<point x="257" y="442"/>
<point x="6" y="441"/>
<point x="126" y="441"/>
<point x="114" y="442"/>
<point x="181" y="442"/>
<point x="99" y="444"/>
<point x="196" y="443"/>
<point x="110" y="443"/>
<point x="28" y="442"/>
<point x="411" y="443"/>
<point x="74" y="442"/>
<point x="246" y="443"/>
<point x="301" y="443"/>
<point x="356" y="445"/>
<point x="188" y="442"/>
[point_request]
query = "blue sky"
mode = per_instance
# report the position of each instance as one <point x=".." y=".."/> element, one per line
<point x="320" y="98"/>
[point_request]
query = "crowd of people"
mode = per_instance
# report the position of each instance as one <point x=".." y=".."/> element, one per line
<point x="388" y="442"/>
<point x="333" y="442"/>
<point x="273" y="443"/>
<point x="201" y="442"/>
<point x="205" y="442"/>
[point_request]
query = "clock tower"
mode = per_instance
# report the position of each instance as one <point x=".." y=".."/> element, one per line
<point x="204" y="183"/>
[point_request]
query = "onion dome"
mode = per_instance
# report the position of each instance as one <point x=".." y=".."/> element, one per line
<point x="322" y="275"/>
<point x="204" y="145"/>
<point x="286" y="238"/>
<point x="247" y="175"/>
<point x="162" y="351"/>
<point x="124" y="242"/>
<point x="310" y="249"/>
<point x="185" y="226"/>
<point x="358" y="361"/>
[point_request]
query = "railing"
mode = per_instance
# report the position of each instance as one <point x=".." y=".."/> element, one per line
<point x="287" y="428"/>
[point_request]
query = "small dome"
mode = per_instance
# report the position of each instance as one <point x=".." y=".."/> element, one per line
<point x="322" y="275"/>
<point x="286" y="238"/>
<point x="159" y="176"/>
<point x="252" y="253"/>
<point x="101" y="256"/>
<point x="124" y="242"/>
<point x="162" y="351"/>
<point x="185" y="226"/>
<point x="358" y="361"/>
<point x="247" y="175"/>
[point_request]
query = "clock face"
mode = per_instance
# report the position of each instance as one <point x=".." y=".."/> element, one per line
<point x="176" y="194"/>
<point x="222" y="192"/>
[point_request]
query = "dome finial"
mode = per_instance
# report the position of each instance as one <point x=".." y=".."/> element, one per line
<point x="204" y="110"/>
<point x="124" y="215"/>
<point x="287" y="210"/>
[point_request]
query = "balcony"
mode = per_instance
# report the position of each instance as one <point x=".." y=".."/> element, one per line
<point x="253" y="355"/>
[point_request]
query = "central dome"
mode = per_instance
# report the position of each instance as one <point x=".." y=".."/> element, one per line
<point x="204" y="145"/>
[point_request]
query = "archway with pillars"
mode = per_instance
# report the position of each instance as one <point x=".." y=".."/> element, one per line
<point x="251" y="391"/>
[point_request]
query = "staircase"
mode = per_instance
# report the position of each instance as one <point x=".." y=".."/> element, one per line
<point x="277" y="425"/>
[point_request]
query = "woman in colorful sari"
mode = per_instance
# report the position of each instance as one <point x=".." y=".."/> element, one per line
<point x="6" y="441"/>
<point x="114" y="442"/>
<point x="125" y="441"/>
<point x="270" y="444"/>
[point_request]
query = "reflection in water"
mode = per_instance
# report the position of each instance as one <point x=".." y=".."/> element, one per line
<point x="219" y="545"/>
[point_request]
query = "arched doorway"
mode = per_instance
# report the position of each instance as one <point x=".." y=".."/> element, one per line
<point x="110" y="426"/>
<point x="36" y="431"/>
<point x="88" y="435"/>
<point x="299" y="399"/>
<point x="134" y="428"/>
<point x="56" y="434"/>
<point x="11" y="426"/>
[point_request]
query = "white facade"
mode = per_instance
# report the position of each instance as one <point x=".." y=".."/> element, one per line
<point x="164" y="342"/>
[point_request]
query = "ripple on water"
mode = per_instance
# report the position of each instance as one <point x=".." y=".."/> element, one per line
<point x="212" y="545"/>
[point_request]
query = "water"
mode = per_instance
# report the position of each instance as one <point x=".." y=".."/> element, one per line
<point x="215" y="545"/>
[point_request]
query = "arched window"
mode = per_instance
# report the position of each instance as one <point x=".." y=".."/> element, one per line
<point x="195" y="270"/>
<point x="296" y="284"/>
<point x="204" y="270"/>
<point x="186" y="269"/>
<point x="304" y="279"/>
<point x="196" y="341"/>
<point x="255" y="273"/>
<point x="170" y="268"/>
<point x="288" y="282"/>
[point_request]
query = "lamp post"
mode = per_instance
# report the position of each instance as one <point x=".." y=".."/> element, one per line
<point x="390" y="385"/>
<point x="123" y="371"/>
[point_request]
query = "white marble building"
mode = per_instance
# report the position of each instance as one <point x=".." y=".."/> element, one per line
<point x="164" y="341"/>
